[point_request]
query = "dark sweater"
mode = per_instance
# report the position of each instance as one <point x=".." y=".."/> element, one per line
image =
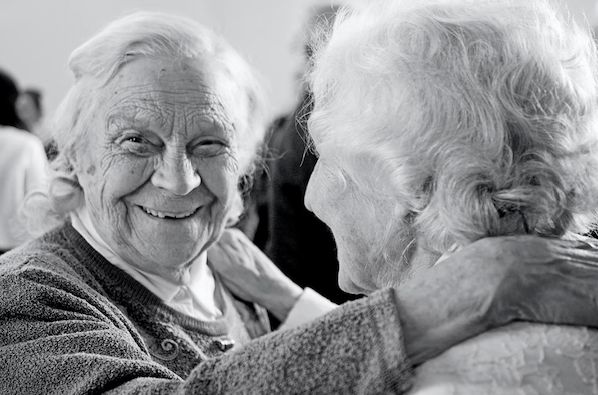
<point x="70" y="322"/>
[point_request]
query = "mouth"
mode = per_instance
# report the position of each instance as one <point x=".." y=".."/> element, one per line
<point x="168" y="214"/>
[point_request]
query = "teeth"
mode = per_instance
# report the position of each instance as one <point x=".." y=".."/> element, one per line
<point x="160" y="214"/>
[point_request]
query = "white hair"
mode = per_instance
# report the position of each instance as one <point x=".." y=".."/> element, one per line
<point x="96" y="62"/>
<point x="480" y="116"/>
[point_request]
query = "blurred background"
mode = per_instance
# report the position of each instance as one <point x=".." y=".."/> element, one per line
<point x="37" y="36"/>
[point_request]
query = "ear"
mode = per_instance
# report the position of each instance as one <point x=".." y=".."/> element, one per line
<point x="67" y="194"/>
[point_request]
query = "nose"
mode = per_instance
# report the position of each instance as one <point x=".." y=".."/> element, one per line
<point x="176" y="174"/>
<point x="308" y="200"/>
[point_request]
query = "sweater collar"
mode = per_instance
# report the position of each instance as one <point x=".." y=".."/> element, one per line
<point x="195" y="295"/>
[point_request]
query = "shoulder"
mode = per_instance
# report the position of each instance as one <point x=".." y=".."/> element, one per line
<point x="507" y="358"/>
<point x="47" y="279"/>
<point x="48" y="252"/>
<point x="19" y="138"/>
<point x="21" y="143"/>
<point x="42" y="267"/>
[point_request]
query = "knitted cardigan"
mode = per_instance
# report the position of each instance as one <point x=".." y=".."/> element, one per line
<point x="70" y="322"/>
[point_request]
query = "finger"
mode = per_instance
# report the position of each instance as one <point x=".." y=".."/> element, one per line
<point x="226" y="260"/>
<point x="218" y="260"/>
<point x="232" y="237"/>
<point x="241" y="258"/>
<point x="245" y="247"/>
<point x="216" y="253"/>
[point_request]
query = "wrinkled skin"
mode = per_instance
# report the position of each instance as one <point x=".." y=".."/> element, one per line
<point x="494" y="281"/>
<point x="161" y="143"/>
<point x="368" y="260"/>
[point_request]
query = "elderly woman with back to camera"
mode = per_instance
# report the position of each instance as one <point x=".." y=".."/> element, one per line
<point x="438" y="123"/>
<point x="161" y="124"/>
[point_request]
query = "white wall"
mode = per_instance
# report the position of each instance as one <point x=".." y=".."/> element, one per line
<point x="37" y="36"/>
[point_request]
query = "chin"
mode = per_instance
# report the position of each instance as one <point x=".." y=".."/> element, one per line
<point x="347" y="285"/>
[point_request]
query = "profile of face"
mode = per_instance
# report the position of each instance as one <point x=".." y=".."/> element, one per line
<point x="361" y="221"/>
<point x="159" y="169"/>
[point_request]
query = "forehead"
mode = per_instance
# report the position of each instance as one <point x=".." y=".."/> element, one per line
<point x="165" y="87"/>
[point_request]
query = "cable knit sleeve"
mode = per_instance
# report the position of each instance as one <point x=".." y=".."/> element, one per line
<point x="355" y="349"/>
<point x="57" y="336"/>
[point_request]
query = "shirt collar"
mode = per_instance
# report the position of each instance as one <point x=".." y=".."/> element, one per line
<point x="194" y="295"/>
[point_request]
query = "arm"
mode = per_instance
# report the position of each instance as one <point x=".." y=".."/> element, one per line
<point x="355" y="349"/>
<point x="56" y="338"/>
<point x="484" y="285"/>
<point x="493" y="282"/>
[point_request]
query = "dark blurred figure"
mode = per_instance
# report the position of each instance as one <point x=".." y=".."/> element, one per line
<point x="31" y="111"/>
<point x="22" y="165"/>
<point x="9" y="93"/>
<point x="29" y="108"/>
<point x="298" y="242"/>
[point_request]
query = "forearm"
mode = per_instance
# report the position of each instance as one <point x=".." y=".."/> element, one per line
<point x="431" y="328"/>
<point x="357" y="348"/>
<point x="309" y="306"/>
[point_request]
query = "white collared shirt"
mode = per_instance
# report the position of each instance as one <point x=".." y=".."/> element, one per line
<point x="195" y="294"/>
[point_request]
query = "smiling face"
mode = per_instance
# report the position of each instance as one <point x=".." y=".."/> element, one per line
<point x="159" y="170"/>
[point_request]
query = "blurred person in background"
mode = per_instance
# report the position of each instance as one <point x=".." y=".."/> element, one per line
<point x="22" y="166"/>
<point x="298" y="242"/>
<point x="29" y="108"/>
<point x="31" y="111"/>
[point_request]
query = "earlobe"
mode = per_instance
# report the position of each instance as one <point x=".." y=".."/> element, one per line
<point x="67" y="194"/>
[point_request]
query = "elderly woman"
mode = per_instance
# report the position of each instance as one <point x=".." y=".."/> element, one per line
<point x="439" y="123"/>
<point x="162" y="122"/>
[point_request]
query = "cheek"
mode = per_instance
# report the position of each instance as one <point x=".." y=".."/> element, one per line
<point x="119" y="176"/>
<point x="318" y="195"/>
<point x="220" y="178"/>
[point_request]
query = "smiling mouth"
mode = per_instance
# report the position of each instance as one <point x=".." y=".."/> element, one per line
<point x="168" y="215"/>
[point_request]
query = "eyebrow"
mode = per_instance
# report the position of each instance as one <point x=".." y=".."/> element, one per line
<point x="121" y="116"/>
<point x="143" y="119"/>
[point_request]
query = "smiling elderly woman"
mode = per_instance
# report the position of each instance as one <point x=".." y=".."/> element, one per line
<point x="441" y="122"/>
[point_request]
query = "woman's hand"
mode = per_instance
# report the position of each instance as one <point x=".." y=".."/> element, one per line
<point x="495" y="281"/>
<point x="251" y="275"/>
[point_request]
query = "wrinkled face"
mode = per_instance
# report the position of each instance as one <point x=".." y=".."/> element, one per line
<point x="359" y="222"/>
<point x="159" y="171"/>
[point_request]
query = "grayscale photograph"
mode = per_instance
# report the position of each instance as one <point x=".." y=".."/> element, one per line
<point x="299" y="197"/>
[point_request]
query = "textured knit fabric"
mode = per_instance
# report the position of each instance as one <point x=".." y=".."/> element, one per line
<point x="70" y="322"/>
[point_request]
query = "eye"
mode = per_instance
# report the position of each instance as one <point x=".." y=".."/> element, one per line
<point x="136" y="143"/>
<point x="209" y="147"/>
<point x="135" y="139"/>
